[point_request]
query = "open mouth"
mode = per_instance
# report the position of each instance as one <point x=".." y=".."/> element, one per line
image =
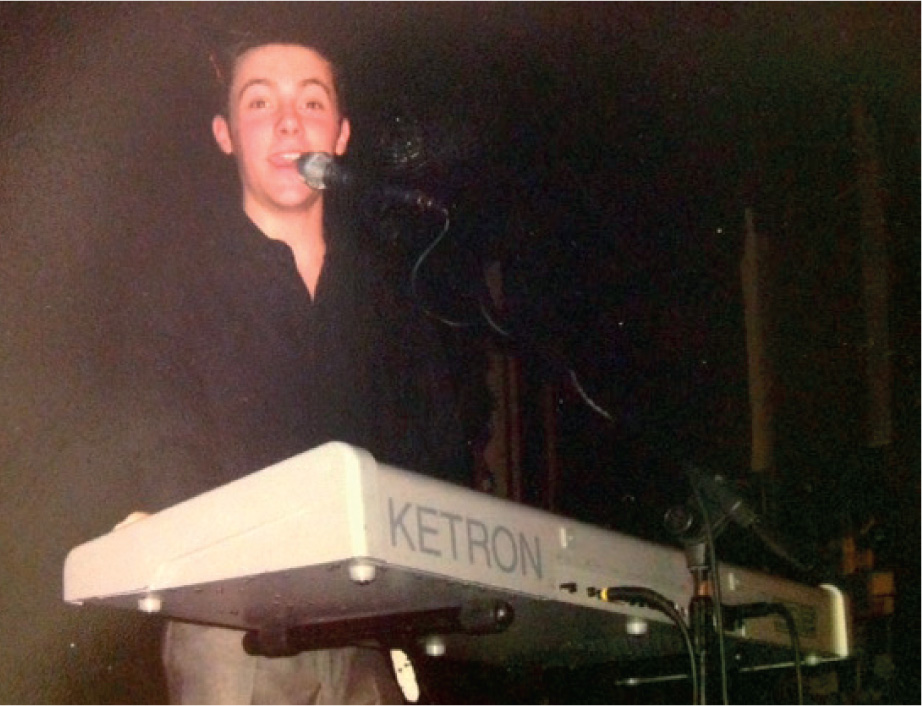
<point x="285" y="159"/>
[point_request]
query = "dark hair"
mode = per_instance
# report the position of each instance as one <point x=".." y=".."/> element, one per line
<point x="224" y="62"/>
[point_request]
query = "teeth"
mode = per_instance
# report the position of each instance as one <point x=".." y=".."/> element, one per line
<point x="291" y="156"/>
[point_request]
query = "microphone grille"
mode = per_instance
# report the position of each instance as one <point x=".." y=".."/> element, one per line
<point x="313" y="168"/>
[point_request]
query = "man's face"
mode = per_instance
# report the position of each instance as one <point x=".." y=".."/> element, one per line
<point x="282" y="103"/>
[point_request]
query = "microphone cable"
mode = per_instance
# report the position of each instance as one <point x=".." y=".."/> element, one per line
<point x="638" y="595"/>
<point x="736" y="614"/>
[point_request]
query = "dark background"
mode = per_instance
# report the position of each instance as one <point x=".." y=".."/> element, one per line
<point x="604" y="153"/>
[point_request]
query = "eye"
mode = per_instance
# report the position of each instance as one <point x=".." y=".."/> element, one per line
<point x="313" y="104"/>
<point x="257" y="104"/>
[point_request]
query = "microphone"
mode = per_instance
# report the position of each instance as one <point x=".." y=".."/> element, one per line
<point x="320" y="170"/>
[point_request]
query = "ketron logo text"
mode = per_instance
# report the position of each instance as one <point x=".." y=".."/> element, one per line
<point x="463" y="539"/>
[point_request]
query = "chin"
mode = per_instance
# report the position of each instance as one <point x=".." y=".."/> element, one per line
<point x="293" y="196"/>
<point x="297" y="204"/>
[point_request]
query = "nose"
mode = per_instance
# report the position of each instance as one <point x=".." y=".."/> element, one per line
<point x="288" y="122"/>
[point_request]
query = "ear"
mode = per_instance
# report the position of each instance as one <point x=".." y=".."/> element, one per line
<point x="345" y="130"/>
<point x="221" y="132"/>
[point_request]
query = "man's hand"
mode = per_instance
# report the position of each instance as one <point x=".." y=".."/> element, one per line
<point x="131" y="519"/>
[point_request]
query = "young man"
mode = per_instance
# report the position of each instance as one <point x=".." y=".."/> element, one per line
<point x="283" y="103"/>
<point x="285" y="333"/>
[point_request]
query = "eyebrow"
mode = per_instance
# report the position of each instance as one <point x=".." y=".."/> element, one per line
<point x="303" y="83"/>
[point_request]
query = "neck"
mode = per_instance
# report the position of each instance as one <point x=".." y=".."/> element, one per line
<point x="300" y="230"/>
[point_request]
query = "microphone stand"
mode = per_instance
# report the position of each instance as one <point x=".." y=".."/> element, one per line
<point x="696" y="524"/>
<point x="701" y="618"/>
<point x="697" y="530"/>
